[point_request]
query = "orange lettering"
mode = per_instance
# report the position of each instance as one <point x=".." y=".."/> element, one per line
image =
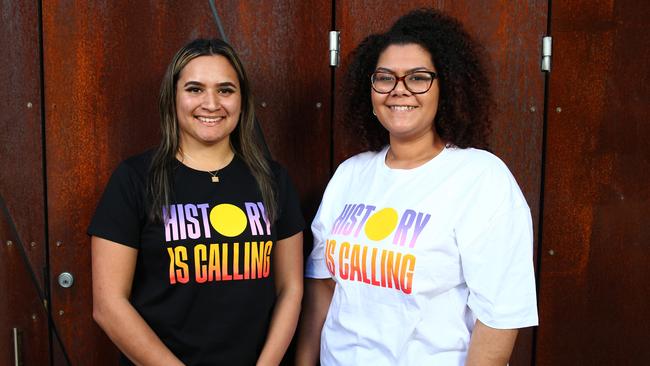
<point x="200" y="270"/>
<point x="235" y="262"/>
<point x="267" y="257"/>
<point x="224" y="264"/>
<point x="344" y="268"/>
<point x="406" y="276"/>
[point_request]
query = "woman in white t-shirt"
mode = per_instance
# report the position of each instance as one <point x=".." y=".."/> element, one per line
<point x="422" y="245"/>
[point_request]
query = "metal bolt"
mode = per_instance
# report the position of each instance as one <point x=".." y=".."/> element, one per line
<point x="59" y="243"/>
<point x="61" y="312"/>
<point x="263" y="104"/>
<point x="32" y="244"/>
<point x="558" y="109"/>
<point x="551" y="252"/>
<point x="29" y="104"/>
<point x="533" y="109"/>
<point x="319" y="105"/>
<point x="10" y="243"/>
<point x="33" y="316"/>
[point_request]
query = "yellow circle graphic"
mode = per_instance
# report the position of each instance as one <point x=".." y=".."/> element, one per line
<point x="229" y="220"/>
<point x="381" y="224"/>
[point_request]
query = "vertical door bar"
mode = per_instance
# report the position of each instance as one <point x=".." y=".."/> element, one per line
<point x="17" y="337"/>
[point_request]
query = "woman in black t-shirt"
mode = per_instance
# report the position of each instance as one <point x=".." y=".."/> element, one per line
<point x="197" y="244"/>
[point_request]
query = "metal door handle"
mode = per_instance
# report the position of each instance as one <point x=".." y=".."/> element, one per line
<point x="66" y="279"/>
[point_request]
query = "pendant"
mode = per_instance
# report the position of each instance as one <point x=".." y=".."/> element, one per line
<point x="215" y="179"/>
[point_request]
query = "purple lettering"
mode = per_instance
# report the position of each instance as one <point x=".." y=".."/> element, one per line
<point x="369" y="210"/>
<point x="260" y="205"/>
<point x="206" y="220"/>
<point x="253" y="218"/>
<point x="347" y="228"/>
<point x="341" y="219"/>
<point x="402" y="229"/>
<point x="181" y="221"/>
<point x="420" y="223"/>
<point x="171" y="223"/>
<point x="193" y="227"/>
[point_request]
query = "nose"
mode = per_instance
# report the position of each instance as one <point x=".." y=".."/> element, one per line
<point x="400" y="87"/>
<point x="211" y="101"/>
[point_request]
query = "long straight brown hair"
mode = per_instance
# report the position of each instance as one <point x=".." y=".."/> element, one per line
<point x="245" y="139"/>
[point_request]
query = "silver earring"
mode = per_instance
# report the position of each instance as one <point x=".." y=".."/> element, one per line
<point x="373" y="113"/>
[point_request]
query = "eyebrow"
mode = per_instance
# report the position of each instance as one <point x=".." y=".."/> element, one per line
<point x="198" y="83"/>
<point x="421" y="68"/>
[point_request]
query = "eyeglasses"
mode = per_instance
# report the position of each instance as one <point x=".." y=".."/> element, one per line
<point x="417" y="82"/>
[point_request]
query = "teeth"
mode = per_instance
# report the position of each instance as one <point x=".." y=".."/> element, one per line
<point x="209" y="120"/>
<point x="402" y="107"/>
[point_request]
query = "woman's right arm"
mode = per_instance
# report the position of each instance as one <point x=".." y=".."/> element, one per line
<point x="113" y="266"/>
<point x="316" y="302"/>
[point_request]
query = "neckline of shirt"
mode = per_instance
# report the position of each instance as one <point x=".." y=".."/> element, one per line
<point x="202" y="172"/>
<point x="411" y="171"/>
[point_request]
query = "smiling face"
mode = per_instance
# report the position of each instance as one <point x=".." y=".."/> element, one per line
<point x="208" y="102"/>
<point x="406" y="115"/>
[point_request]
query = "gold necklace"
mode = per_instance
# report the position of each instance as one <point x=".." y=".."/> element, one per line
<point x="214" y="177"/>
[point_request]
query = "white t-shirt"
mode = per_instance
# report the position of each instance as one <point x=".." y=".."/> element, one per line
<point x="418" y="255"/>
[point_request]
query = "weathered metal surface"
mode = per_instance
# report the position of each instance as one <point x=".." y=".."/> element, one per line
<point x="103" y="66"/>
<point x="511" y="33"/>
<point x="21" y="176"/>
<point x="20" y="305"/>
<point x="594" y="286"/>
<point x="284" y="46"/>
<point x="21" y="184"/>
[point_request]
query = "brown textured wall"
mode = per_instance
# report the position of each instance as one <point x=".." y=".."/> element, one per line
<point x="594" y="270"/>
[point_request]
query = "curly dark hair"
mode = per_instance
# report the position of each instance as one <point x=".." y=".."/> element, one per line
<point x="463" y="116"/>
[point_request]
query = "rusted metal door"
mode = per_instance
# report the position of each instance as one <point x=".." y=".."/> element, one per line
<point x="511" y="31"/>
<point x="23" y="318"/>
<point x="594" y="278"/>
<point x="103" y="66"/>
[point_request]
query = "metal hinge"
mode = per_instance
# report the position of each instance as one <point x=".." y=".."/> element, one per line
<point x="547" y="52"/>
<point x="335" y="41"/>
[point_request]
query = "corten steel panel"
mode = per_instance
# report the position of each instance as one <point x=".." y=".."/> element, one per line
<point x="21" y="183"/>
<point x="284" y="47"/>
<point x="20" y="305"/>
<point x="103" y="66"/>
<point x="21" y="176"/>
<point x="511" y="32"/>
<point x="594" y="269"/>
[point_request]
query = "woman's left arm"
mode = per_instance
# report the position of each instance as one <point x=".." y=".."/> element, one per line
<point x="287" y="269"/>
<point x="490" y="346"/>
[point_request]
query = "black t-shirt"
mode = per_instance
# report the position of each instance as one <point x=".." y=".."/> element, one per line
<point x="203" y="281"/>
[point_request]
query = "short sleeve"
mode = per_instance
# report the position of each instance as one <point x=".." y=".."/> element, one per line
<point x="120" y="213"/>
<point x="316" y="266"/>
<point x="290" y="220"/>
<point x="495" y="242"/>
